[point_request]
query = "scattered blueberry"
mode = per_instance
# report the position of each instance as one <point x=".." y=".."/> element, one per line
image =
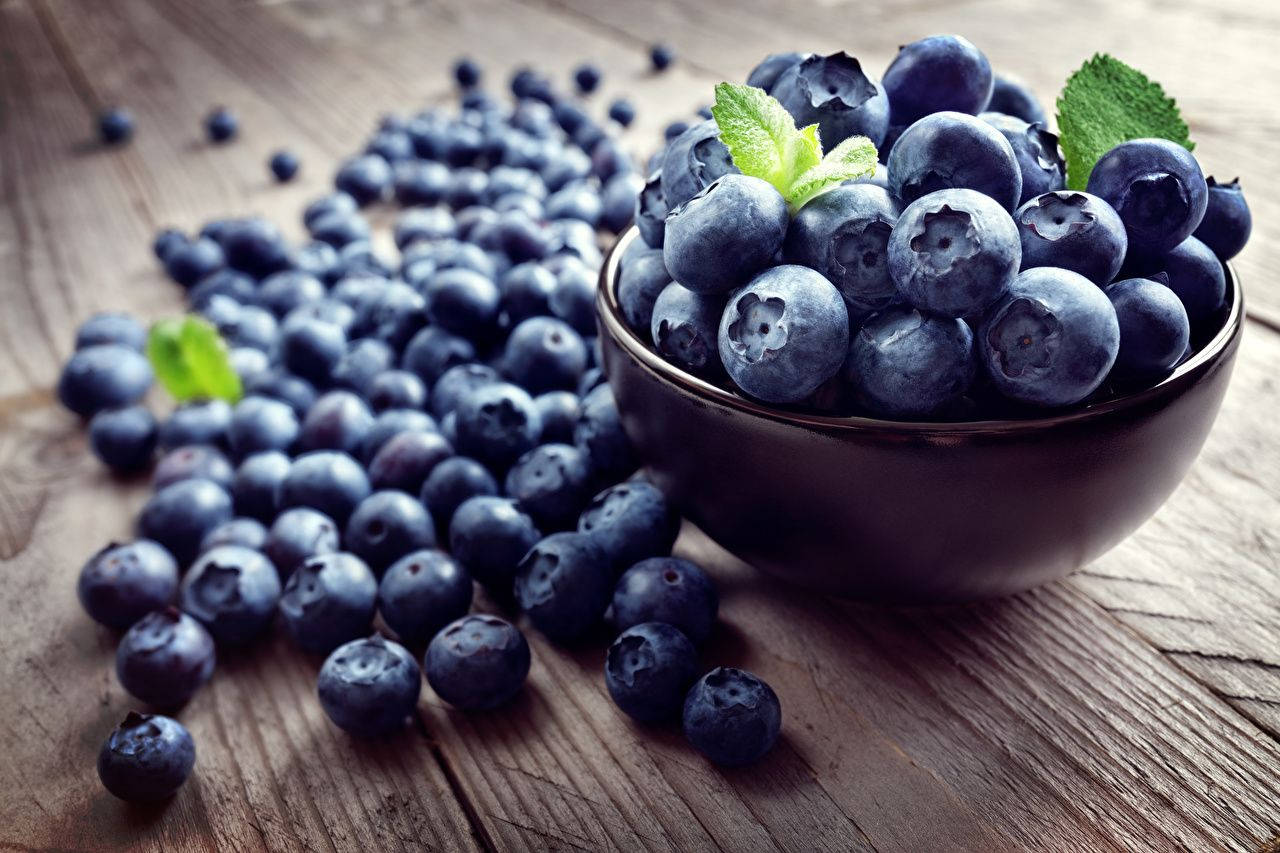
<point x="563" y="584"/>
<point x="648" y="670"/>
<point x="261" y="423"/>
<point x="111" y="327"/>
<point x="124" y="439"/>
<point x="115" y="125"/>
<point x="221" y="125"/>
<point x="255" y="488"/>
<point x="146" y="758"/>
<point x="552" y="484"/>
<point x="586" y="77"/>
<point x="327" y="480"/>
<point x="165" y="658"/>
<point x="329" y="600"/>
<point x="179" y="515"/>
<point x="122" y="583"/>
<point x="246" y="532"/>
<point x="297" y="535"/>
<point x="103" y="376"/>
<point x="477" y="663"/>
<point x="489" y="536"/>
<point x="661" y="56"/>
<point x="421" y="593"/>
<point x="732" y="717"/>
<point x="452" y="482"/>
<point x="667" y="589"/>
<point x="233" y="591"/>
<point x="386" y="526"/>
<point x="283" y="165"/>
<point x="369" y="687"/>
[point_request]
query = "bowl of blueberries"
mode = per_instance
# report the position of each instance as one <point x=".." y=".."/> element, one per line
<point x="970" y="369"/>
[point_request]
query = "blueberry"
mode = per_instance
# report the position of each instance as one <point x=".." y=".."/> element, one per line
<point x="1051" y="340"/>
<point x="834" y="93"/>
<point x="393" y="317"/>
<point x="122" y="583"/>
<point x="784" y="334"/>
<point x="432" y="351"/>
<point x="248" y="363"/>
<point x="844" y="234"/>
<point x="115" y="125"/>
<point x="1014" y="98"/>
<point x="935" y="74"/>
<point x="146" y="758"/>
<point x="394" y="146"/>
<point x="297" y="535"/>
<point x="609" y="159"/>
<point x="544" y="354"/>
<point x="419" y="182"/>
<point x="424" y="224"/>
<point x="339" y="203"/>
<point x="363" y="360"/>
<point x="220" y="125"/>
<point x="340" y="229"/>
<point x="284" y="291"/>
<point x="250" y="326"/>
<point x="327" y="480"/>
<point x="283" y="165"/>
<point x="467" y="185"/>
<point x="766" y="74"/>
<point x="528" y="83"/>
<point x="103" y="376"/>
<point x="462" y="301"/>
<point x="111" y="328"/>
<point x="386" y="526"/>
<point x="165" y="658"/>
<point x="1157" y="188"/>
<point x="233" y="591"/>
<point x="391" y="423"/>
<point x="456" y="383"/>
<point x="508" y="180"/>
<point x="421" y="593"/>
<point x="670" y="132"/>
<point x="525" y="291"/>
<point x="552" y="484"/>
<point x="648" y="670"/>
<point x="489" y="536"/>
<point x="954" y="252"/>
<point x="684" y="329"/>
<point x="496" y="423"/>
<point x="406" y="460"/>
<point x="1036" y="151"/>
<point x="467" y="72"/>
<point x="732" y="717"/>
<point x="651" y="210"/>
<point x="329" y="600"/>
<point x="256" y="486"/>
<point x="666" y="589"/>
<point x="193" y="461"/>
<point x="574" y="299"/>
<point x="586" y="77"/>
<point x="951" y="150"/>
<point x="193" y="261"/>
<point x="693" y="160"/>
<point x="563" y="584"/>
<point x="622" y="111"/>
<point x="124" y="439"/>
<point x="1154" y="329"/>
<point x="639" y="284"/>
<point x="339" y="420"/>
<point x="661" y="56"/>
<point x="369" y="687"/>
<point x="726" y="234"/>
<point x="592" y="379"/>
<point x="452" y="482"/>
<point x="255" y="246"/>
<point x="366" y="178"/>
<point x="261" y="423"/>
<point x="1227" y="221"/>
<point x="396" y="389"/>
<point x="1196" y="276"/>
<point x="599" y="434"/>
<point x="630" y="522"/>
<point x="311" y="348"/>
<point x="1073" y="230"/>
<point x="559" y="412"/>
<point x="246" y="532"/>
<point x="477" y="663"/>
<point x="904" y="363"/>
<point x="577" y="200"/>
<point x="166" y="241"/>
<point x="179" y="515"/>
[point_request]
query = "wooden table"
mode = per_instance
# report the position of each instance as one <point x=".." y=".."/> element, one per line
<point x="1134" y="706"/>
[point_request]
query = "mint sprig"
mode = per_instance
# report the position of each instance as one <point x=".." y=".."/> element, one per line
<point x="765" y="143"/>
<point x="1107" y="102"/>
<point x="191" y="360"/>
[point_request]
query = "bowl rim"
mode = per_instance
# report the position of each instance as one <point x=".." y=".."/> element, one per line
<point x="609" y="313"/>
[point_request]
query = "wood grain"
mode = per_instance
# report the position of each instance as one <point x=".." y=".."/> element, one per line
<point x="1133" y="707"/>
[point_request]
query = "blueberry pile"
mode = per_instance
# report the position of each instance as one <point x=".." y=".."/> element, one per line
<point x="960" y="281"/>
<point x="393" y="408"/>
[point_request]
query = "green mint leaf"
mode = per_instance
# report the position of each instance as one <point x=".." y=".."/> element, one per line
<point x="1107" y="102"/>
<point x="191" y="360"/>
<point x="762" y="137"/>
<point x="855" y="157"/>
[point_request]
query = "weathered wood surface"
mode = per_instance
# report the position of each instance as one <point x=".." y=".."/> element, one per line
<point x="1135" y="706"/>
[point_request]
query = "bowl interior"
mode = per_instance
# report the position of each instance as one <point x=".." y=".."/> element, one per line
<point x="612" y="323"/>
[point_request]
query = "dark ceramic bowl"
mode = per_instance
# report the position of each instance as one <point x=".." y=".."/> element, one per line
<point x="911" y="512"/>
